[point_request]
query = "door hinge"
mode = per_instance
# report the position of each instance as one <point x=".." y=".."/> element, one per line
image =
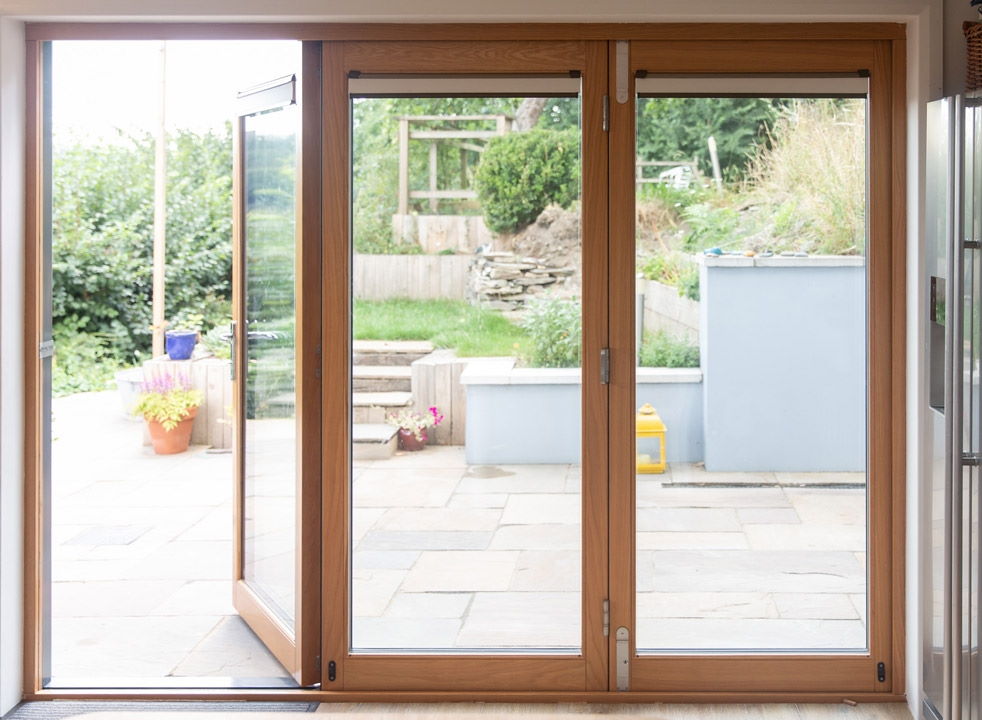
<point x="317" y="662"/>
<point x="881" y="672"/>
<point x="46" y="349"/>
<point x="606" y="120"/>
<point x="604" y="366"/>
<point x="332" y="671"/>
<point x="606" y="618"/>
<point x="971" y="459"/>
<point x="623" y="663"/>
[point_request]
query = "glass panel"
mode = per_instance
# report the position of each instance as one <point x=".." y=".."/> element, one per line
<point x="751" y="386"/>
<point x="937" y="219"/>
<point x="467" y="314"/>
<point x="269" y="552"/>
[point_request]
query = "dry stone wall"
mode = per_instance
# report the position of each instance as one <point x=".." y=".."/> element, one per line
<point x="506" y="281"/>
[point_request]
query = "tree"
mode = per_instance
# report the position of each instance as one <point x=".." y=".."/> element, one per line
<point x="678" y="129"/>
<point x="102" y="234"/>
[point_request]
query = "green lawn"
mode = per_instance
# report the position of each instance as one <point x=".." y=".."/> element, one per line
<point x="473" y="332"/>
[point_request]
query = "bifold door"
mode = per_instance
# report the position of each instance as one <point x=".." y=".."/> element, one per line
<point x="543" y="539"/>
<point x="277" y="500"/>
<point x="477" y="564"/>
<point x="760" y="559"/>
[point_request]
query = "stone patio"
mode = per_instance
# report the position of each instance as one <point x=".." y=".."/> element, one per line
<point x="446" y="556"/>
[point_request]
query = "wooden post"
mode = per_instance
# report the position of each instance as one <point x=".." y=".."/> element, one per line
<point x="714" y="158"/>
<point x="160" y="211"/>
<point x="434" y="203"/>
<point x="403" y="166"/>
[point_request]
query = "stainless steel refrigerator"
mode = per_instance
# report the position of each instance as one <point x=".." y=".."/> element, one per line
<point x="950" y="496"/>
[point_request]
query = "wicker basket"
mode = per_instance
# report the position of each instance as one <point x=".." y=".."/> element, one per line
<point x="973" y="41"/>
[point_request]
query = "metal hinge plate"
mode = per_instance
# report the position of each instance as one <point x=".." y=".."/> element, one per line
<point x="623" y="661"/>
<point x="46" y="349"/>
<point x="606" y="618"/>
<point x="604" y="366"/>
<point x="606" y="120"/>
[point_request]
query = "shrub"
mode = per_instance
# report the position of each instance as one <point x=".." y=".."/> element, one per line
<point x="522" y="173"/>
<point x="83" y="362"/>
<point x="102" y="234"/>
<point x="659" y="349"/>
<point x="672" y="269"/>
<point x="555" y="331"/>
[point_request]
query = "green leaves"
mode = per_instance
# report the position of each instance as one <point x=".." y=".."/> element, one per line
<point x="659" y="349"/>
<point x="679" y="128"/>
<point x="555" y="332"/>
<point x="102" y="235"/>
<point x="522" y="173"/>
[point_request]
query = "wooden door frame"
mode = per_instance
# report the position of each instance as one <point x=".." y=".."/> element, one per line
<point x="884" y="59"/>
<point x="498" y="670"/>
<point x="297" y="650"/>
<point x="891" y="544"/>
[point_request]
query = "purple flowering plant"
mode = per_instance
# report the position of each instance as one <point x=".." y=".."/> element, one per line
<point x="414" y="422"/>
<point x="167" y="398"/>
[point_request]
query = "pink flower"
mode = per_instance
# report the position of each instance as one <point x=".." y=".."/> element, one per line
<point x="437" y="417"/>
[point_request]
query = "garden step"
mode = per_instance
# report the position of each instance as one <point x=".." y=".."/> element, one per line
<point x="371" y="407"/>
<point x="382" y="378"/>
<point x="389" y="352"/>
<point x="373" y="441"/>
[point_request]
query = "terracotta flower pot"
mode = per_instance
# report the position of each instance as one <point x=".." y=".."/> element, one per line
<point x="408" y="441"/>
<point x="170" y="442"/>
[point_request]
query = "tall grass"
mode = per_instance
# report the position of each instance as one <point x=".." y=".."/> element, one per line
<point x="808" y="189"/>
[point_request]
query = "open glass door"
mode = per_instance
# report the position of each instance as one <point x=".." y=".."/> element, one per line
<point x="276" y="587"/>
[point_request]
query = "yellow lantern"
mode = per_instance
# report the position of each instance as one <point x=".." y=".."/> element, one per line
<point x="649" y="425"/>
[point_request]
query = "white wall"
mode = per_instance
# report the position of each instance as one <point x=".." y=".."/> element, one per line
<point x="11" y="343"/>
<point x="924" y="18"/>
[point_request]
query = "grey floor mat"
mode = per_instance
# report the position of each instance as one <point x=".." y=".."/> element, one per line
<point x="59" y="710"/>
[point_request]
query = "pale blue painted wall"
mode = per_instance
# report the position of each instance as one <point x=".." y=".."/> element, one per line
<point x="519" y="424"/>
<point x="784" y="358"/>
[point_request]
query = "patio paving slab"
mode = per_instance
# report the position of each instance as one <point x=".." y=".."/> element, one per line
<point x="815" y="606"/>
<point x="229" y="650"/>
<point x="434" y="605"/>
<point x="461" y="571"/>
<point x="445" y="555"/>
<point x="692" y="541"/>
<point x="548" y="570"/>
<point x="706" y="605"/>
<point x="536" y="536"/>
<point x="527" y="509"/>
<point x="748" y="634"/>
<point x="519" y="619"/>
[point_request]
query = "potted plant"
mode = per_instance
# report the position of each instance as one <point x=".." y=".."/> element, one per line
<point x="180" y="341"/>
<point x="412" y="427"/>
<point x="169" y="404"/>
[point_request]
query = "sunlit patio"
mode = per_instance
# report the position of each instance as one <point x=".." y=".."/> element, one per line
<point x="446" y="555"/>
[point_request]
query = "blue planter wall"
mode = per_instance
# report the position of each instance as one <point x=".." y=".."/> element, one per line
<point x="532" y="416"/>
<point x="783" y="347"/>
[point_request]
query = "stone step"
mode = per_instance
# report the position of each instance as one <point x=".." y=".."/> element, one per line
<point x="382" y="378"/>
<point x="373" y="441"/>
<point x="372" y="407"/>
<point x="389" y="352"/>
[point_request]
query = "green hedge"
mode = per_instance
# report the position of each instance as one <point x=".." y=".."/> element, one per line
<point x="522" y="173"/>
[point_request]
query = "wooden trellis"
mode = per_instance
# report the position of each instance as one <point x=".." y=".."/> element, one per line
<point x="465" y="141"/>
